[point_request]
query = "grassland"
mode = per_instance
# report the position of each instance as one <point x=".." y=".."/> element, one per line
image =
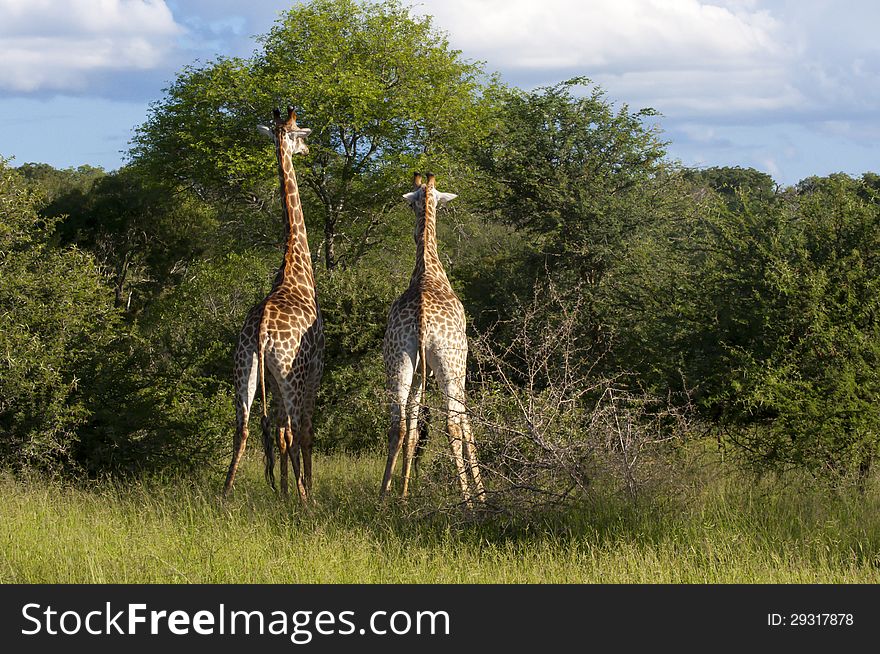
<point x="728" y="528"/>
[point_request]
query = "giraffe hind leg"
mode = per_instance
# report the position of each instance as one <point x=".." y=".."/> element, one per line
<point x="308" y="427"/>
<point x="294" y="447"/>
<point x="400" y="376"/>
<point x="410" y="442"/>
<point x="470" y="451"/>
<point x="283" y="447"/>
<point x="396" y="434"/>
<point x="245" y="388"/>
<point x="306" y="434"/>
<point x="423" y="427"/>
<point x="238" y="446"/>
<point x="268" y="450"/>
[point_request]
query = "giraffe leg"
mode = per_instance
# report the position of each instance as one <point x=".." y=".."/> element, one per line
<point x="412" y="431"/>
<point x="306" y="433"/>
<point x="245" y="388"/>
<point x="294" y="450"/>
<point x="238" y="445"/>
<point x="450" y="377"/>
<point x="423" y="426"/>
<point x="470" y="450"/>
<point x="268" y="450"/>
<point x="396" y="435"/>
<point x="308" y="428"/>
<point x="453" y="427"/>
<point x="281" y="438"/>
<point x="399" y="374"/>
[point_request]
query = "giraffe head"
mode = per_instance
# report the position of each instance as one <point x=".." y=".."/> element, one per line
<point x="424" y="199"/>
<point x="286" y="132"/>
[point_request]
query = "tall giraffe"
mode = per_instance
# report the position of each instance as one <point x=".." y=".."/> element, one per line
<point x="283" y="335"/>
<point x="426" y="329"/>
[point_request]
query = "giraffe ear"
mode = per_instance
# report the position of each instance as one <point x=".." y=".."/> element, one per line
<point x="410" y="197"/>
<point x="265" y="131"/>
<point x="443" y="198"/>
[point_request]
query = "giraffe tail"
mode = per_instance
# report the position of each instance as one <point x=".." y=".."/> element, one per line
<point x="265" y="423"/>
<point x="262" y="356"/>
<point x="424" y="366"/>
<point x="422" y="415"/>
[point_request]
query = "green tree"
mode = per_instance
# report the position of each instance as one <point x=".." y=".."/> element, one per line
<point x="144" y="233"/>
<point x="174" y="378"/>
<point x="767" y="306"/>
<point x="381" y="89"/>
<point x="732" y="181"/>
<point x="807" y="365"/>
<point x="56" y="320"/>
<point x="51" y="183"/>
<point x="580" y="181"/>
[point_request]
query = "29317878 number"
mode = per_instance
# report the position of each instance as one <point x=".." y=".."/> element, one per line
<point x="810" y="620"/>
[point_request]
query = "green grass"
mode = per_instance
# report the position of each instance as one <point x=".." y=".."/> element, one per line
<point x="730" y="530"/>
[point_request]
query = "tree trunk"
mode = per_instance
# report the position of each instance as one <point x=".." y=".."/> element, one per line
<point x="329" y="241"/>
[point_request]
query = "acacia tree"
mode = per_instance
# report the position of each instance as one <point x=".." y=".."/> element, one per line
<point x="381" y="89"/>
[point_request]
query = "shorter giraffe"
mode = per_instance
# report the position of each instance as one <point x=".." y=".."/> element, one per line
<point x="426" y="329"/>
<point x="283" y="336"/>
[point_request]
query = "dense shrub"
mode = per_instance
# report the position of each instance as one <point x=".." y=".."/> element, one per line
<point x="56" y="319"/>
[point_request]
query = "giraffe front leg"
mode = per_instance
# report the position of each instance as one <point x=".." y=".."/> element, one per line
<point x="268" y="450"/>
<point x="308" y="430"/>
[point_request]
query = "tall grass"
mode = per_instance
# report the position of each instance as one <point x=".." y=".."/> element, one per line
<point x="727" y="529"/>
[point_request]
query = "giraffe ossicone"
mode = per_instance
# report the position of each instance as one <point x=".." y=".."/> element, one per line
<point x="282" y="341"/>
<point x="426" y="330"/>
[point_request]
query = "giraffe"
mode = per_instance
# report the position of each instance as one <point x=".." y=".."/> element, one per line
<point x="426" y="329"/>
<point x="283" y="336"/>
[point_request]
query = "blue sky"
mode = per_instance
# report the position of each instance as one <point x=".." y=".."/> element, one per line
<point x="791" y="88"/>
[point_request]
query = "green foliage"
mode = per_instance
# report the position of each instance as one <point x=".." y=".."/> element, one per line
<point x="143" y="233"/>
<point x="732" y="182"/>
<point x="767" y="307"/>
<point x="584" y="185"/>
<point x="352" y="408"/>
<point x="175" y="379"/>
<point x="56" y="318"/>
<point x="803" y="339"/>
<point x="51" y="183"/>
<point x="381" y="89"/>
<point x="575" y="173"/>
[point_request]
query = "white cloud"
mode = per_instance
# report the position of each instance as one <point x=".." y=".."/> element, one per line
<point x="679" y="56"/>
<point x="609" y="34"/>
<point x="59" y="44"/>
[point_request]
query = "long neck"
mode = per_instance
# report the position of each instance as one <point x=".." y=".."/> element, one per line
<point x="427" y="260"/>
<point x="297" y="264"/>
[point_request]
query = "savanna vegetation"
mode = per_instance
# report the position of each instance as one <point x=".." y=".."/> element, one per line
<point x="675" y="373"/>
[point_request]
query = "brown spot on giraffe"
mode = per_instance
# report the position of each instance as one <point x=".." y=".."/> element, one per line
<point x="282" y="340"/>
<point x="426" y="329"/>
